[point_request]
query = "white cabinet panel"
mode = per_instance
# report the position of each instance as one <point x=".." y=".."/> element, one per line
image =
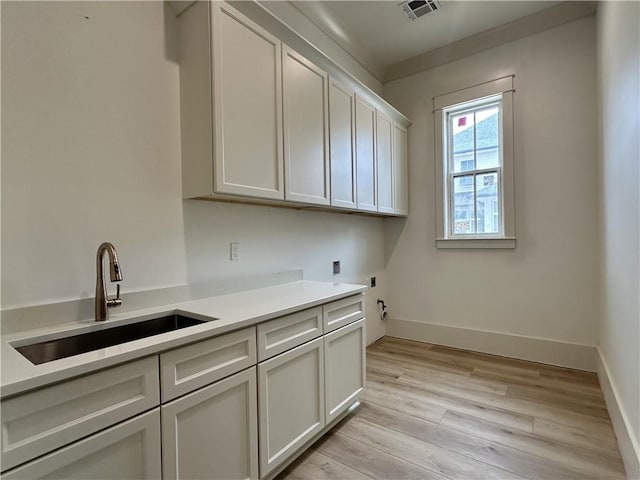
<point x="188" y="368"/>
<point x="342" y="133"/>
<point x="130" y="450"/>
<point x="384" y="161"/>
<point x="400" y="170"/>
<point x="213" y="432"/>
<point x="37" y="422"/>
<point x="247" y="106"/>
<point x="344" y="367"/>
<point x="306" y="130"/>
<point x="366" y="182"/>
<point x="341" y="312"/>
<point x="281" y="334"/>
<point x="291" y="403"/>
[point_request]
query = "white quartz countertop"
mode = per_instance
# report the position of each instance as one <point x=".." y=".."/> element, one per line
<point x="224" y="314"/>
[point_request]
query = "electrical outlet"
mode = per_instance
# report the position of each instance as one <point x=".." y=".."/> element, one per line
<point x="336" y="267"/>
<point x="235" y="251"/>
<point x="373" y="282"/>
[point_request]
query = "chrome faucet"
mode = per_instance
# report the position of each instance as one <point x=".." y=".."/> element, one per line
<point x="103" y="303"/>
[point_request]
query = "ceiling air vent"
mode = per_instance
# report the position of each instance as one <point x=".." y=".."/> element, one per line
<point x="417" y="8"/>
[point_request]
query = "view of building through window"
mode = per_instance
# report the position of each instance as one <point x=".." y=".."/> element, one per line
<point x="474" y="167"/>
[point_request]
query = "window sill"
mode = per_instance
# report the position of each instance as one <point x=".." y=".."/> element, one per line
<point x="473" y="243"/>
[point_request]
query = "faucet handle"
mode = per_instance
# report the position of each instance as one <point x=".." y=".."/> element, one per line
<point x="117" y="301"/>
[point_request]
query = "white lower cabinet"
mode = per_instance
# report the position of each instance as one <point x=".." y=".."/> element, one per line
<point x="213" y="432"/>
<point x="344" y="368"/>
<point x="219" y="416"/>
<point x="291" y="402"/>
<point x="128" y="450"/>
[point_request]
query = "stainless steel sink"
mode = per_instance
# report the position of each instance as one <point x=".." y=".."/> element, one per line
<point x="48" y="351"/>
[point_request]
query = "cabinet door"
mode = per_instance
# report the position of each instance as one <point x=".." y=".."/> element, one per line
<point x="344" y="367"/>
<point x="247" y="79"/>
<point x="306" y="130"/>
<point x="400" y="169"/>
<point x="342" y="133"/>
<point x="366" y="183"/>
<point x="212" y="433"/>
<point x="384" y="157"/>
<point x="129" y="450"/>
<point x="291" y="402"/>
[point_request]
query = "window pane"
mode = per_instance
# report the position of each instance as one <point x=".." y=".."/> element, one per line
<point x="462" y="130"/>
<point x="487" y="138"/>
<point x="463" y="220"/>
<point x="487" y="207"/>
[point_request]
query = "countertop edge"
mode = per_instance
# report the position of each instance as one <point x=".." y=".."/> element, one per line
<point x="38" y="376"/>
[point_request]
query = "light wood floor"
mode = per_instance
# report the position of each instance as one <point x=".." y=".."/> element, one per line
<point x="441" y="413"/>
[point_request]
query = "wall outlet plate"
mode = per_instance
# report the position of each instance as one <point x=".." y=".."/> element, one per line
<point x="234" y="253"/>
<point x="336" y="267"/>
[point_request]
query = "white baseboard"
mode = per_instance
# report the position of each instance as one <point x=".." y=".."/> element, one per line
<point x="552" y="352"/>
<point x="627" y="443"/>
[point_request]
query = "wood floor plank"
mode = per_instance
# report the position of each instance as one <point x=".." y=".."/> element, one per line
<point x="409" y="404"/>
<point x="568" y="455"/>
<point x="315" y="465"/>
<point x="427" y="455"/>
<point x="396" y="357"/>
<point x="504" y="457"/>
<point x="454" y="384"/>
<point x="552" y="384"/>
<point x="431" y="394"/>
<point x="370" y="461"/>
<point x="574" y="402"/>
<point x="422" y="370"/>
<point x="504" y="362"/>
<point x="564" y="414"/>
<point x="602" y="444"/>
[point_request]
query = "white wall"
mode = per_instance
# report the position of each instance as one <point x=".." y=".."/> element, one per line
<point x="91" y="152"/>
<point x="619" y="97"/>
<point x="547" y="286"/>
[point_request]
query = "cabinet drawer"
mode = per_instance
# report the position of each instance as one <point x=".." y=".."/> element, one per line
<point x="43" y="420"/>
<point x="194" y="366"/>
<point x="342" y="312"/>
<point x="284" y="333"/>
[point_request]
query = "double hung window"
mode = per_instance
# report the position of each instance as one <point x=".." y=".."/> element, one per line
<point x="474" y="156"/>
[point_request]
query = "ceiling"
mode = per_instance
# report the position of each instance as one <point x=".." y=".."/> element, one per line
<point x="379" y="31"/>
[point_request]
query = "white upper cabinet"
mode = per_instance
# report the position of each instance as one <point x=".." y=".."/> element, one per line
<point x="384" y="159"/>
<point x="230" y="72"/>
<point x="306" y="130"/>
<point x="247" y="106"/>
<point x="366" y="182"/>
<point x="342" y="133"/>
<point x="265" y="122"/>
<point x="400" y="171"/>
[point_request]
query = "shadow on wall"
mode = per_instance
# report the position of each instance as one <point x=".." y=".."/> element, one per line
<point x="170" y="34"/>
<point x="277" y="239"/>
<point x="393" y="228"/>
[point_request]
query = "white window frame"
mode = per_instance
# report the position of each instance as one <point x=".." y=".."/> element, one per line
<point x="496" y="90"/>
